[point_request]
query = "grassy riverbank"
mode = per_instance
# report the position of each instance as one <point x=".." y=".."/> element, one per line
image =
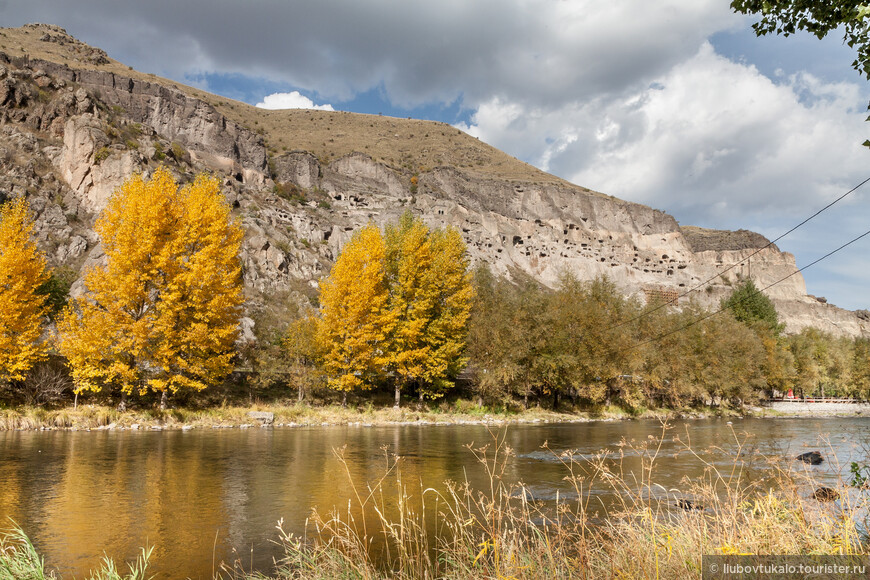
<point x="501" y="531"/>
<point x="459" y="411"/>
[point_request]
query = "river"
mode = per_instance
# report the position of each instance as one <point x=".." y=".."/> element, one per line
<point x="205" y="496"/>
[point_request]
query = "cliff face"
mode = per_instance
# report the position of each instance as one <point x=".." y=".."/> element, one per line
<point x="69" y="136"/>
<point x="211" y="138"/>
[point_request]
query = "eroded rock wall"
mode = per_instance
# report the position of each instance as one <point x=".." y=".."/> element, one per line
<point x="218" y="142"/>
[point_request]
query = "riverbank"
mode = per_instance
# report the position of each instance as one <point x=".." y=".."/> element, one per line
<point x="460" y="412"/>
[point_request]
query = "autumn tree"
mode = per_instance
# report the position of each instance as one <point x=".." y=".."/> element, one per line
<point x="355" y="318"/>
<point x="526" y="339"/>
<point x="779" y="362"/>
<point x="395" y="307"/>
<point x="265" y="353"/>
<point x="861" y="368"/>
<point x="516" y="341"/>
<point x="732" y="360"/>
<point x="301" y="347"/>
<point x="591" y="317"/>
<point x="666" y="348"/>
<point x="808" y="360"/>
<point x="430" y="300"/>
<point x="504" y="336"/>
<point x="22" y="308"/>
<point x="163" y="313"/>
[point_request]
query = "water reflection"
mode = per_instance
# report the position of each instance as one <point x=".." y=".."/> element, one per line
<point x="202" y="497"/>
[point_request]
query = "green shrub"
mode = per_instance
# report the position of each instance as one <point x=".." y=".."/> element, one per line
<point x="178" y="152"/>
<point x="101" y="155"/>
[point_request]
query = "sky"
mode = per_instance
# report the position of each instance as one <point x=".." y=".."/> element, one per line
<point x="675" y="104"/>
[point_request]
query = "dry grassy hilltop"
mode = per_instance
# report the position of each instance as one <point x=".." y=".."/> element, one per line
<point x="74" y="124"/>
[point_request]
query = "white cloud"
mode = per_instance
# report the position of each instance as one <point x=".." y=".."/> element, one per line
<point x="710" y="140"/>
<point x="530" y="51"/>
<point x="716" y="144"/>
<point x="293" y="100"/>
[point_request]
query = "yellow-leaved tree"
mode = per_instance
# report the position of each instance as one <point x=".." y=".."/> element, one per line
<point x="355" y="320"/>
<point x="430" y="298"/>
<point x="163" y="313"/>
<point x="396" y="307"/>
<point x="22" y="309"/>
<point x="301" y="348"/>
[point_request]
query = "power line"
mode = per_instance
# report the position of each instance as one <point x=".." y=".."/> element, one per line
<point x="749" y="257"/>
<point x="712" y="314"/>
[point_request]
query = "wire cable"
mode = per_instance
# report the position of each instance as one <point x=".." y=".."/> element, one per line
<point x="749" y="257"/>
<point x="724" y="308"/>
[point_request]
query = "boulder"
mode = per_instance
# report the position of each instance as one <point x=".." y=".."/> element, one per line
<point x="688" y="505"/>
<point x="825" y="494"/>
<point x="263" y="417"/>
<point x="811" y="457"/>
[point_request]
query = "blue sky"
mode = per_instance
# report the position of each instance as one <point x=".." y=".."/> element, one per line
<point x="670" y="103"/>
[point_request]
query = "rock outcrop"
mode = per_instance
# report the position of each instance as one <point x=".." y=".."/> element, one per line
<point x="222" y="145"/>
<point x="87" y="164"/>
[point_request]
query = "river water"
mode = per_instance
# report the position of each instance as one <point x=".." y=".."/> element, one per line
<point x="201" y="497"/>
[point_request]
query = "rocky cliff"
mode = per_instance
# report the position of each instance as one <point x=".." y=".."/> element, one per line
<point x="74" y="124"/>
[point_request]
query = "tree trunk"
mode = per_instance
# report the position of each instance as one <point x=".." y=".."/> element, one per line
<point x="163" y="397"/>
<point x="398" y="395"/>
<point x="76" y="400"/>
<point x="555" y="400"/>
<point x="300" y="394"/>
<point x="122" y="406"/>
<point x="526" y="392"/>
<point x="344" y="399"/>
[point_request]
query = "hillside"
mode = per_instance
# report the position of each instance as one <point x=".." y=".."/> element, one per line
<point x="399" y="143"/>
<point x="74" y="124"/>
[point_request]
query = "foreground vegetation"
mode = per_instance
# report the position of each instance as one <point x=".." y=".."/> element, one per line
<point x="647" y="531"/>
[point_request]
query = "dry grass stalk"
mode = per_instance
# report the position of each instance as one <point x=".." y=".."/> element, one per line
<point x="647" y="532"/>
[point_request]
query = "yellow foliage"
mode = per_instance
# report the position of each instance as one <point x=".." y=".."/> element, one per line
<point x="451" y="283"/>
<point x="355" y="319"/>
<point x="412" y="297"/>
<point x="430" y="296"/>
<point x="163" y="313"/>
<point x="396" y="305"/>
<point x="301" y="348"/>
<point x="22" y="271"/>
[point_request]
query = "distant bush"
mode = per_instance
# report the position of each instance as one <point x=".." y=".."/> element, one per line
<point x="179" y="153"/>
<point x="291" y="192"/>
